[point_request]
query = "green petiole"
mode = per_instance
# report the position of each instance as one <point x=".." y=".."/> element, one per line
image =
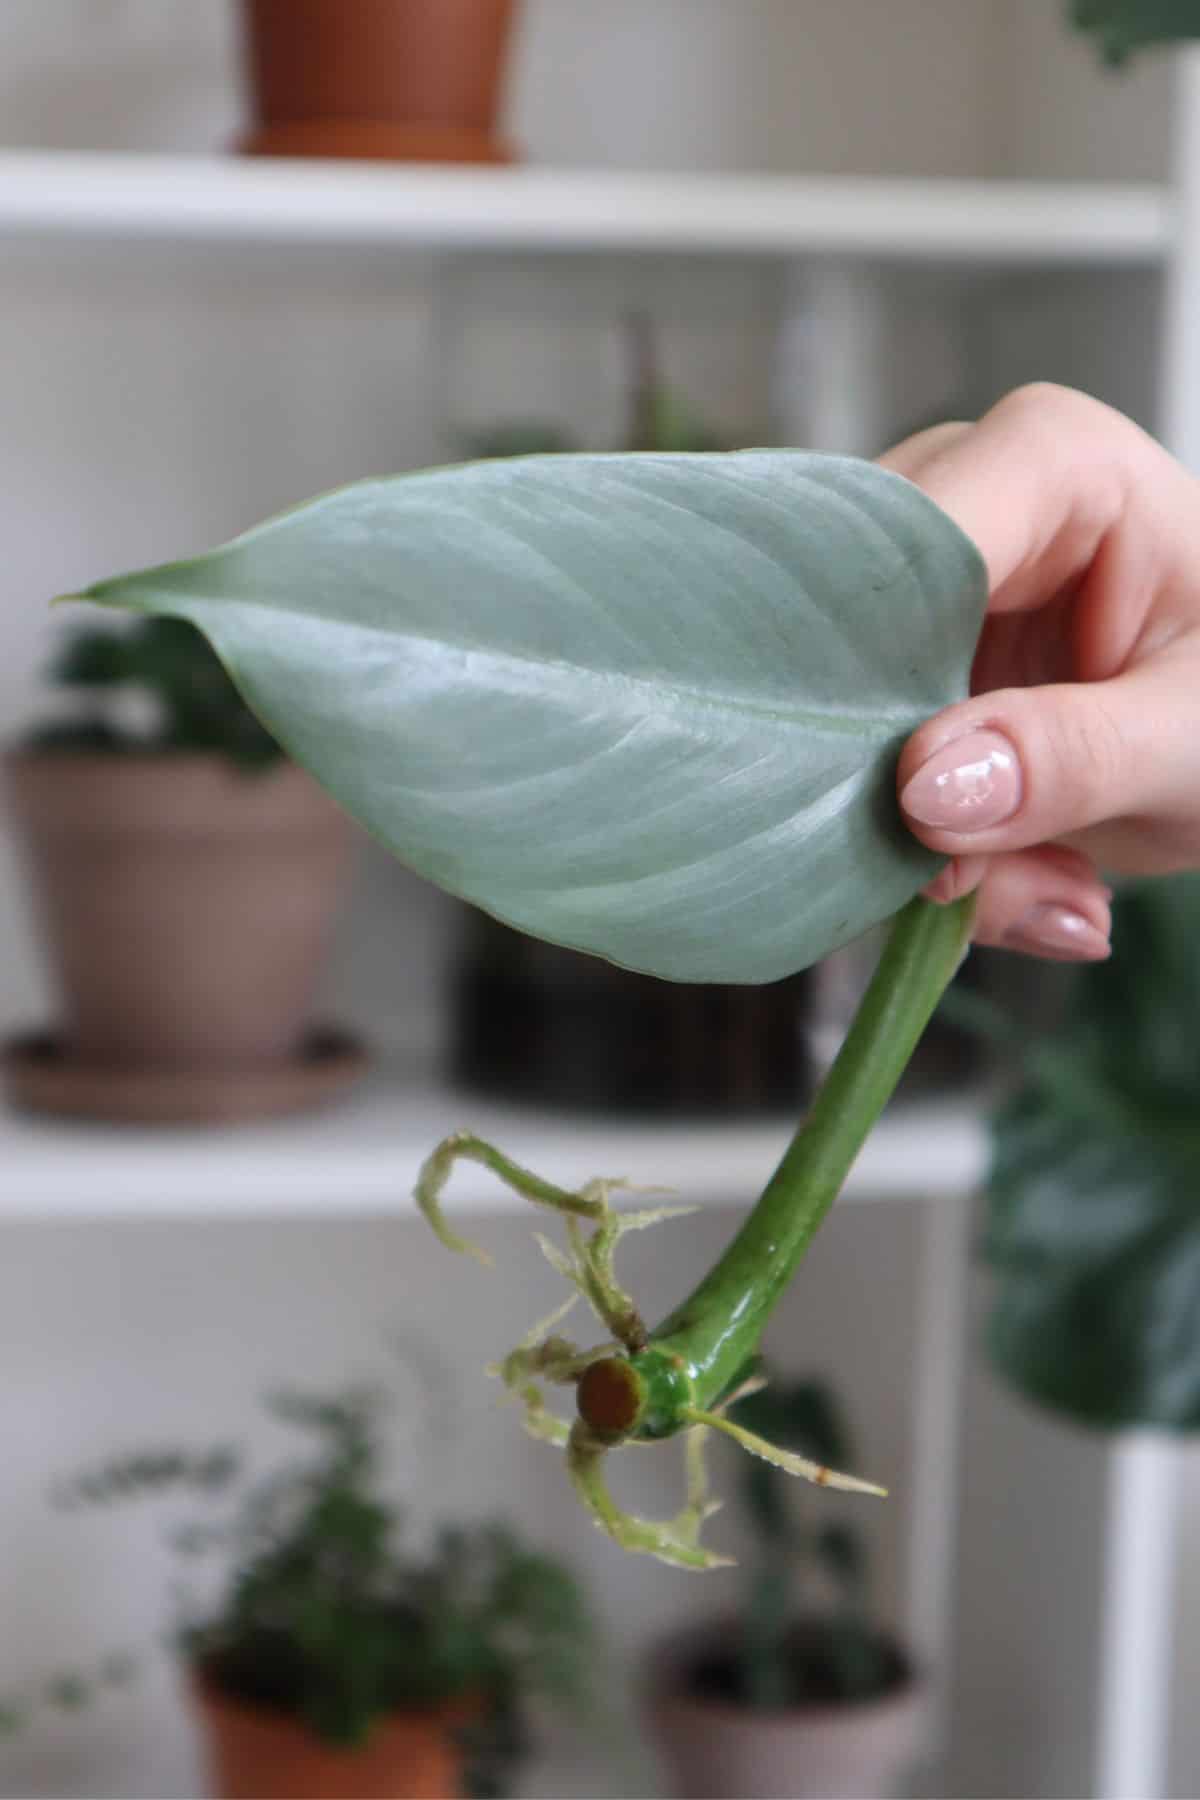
<point x="649" y="1385"/>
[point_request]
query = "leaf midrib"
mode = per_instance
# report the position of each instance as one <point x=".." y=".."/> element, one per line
<point x="874" y="723"/>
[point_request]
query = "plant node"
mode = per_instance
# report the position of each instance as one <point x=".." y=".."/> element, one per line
<point x="628" y="1390"/>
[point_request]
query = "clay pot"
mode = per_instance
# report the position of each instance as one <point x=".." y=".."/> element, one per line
<point x="406" y="79"/>
<point x="187" y="906"/>
<point x="254" y="1754"/>
<point x="717" y="1750"/>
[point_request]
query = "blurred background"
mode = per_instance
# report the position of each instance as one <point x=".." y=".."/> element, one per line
<point x="656" y="223"/>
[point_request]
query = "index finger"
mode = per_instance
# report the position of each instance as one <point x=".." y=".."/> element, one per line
<point x="1040" y="484"/>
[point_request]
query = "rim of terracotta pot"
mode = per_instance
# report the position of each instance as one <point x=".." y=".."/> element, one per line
<point x="669" y="1687"/>
<point x="208" y="1692"/>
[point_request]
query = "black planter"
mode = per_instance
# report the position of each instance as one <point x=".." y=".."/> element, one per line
<point x="535" y="1023"/>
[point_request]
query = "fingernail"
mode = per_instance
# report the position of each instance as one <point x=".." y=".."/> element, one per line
<point x="969" y="785"/>
<point x="1059" y="932"/>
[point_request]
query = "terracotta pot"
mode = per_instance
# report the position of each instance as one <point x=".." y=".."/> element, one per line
<point x="186" y="905"/>
<point x="716" y="1750"/>
<point x="408" y="79"/>
<point x="254" y="1754"/>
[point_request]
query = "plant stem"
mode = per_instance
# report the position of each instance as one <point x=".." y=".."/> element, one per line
<point x="701" y="1350"/>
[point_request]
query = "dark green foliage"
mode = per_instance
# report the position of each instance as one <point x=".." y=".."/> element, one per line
<point x="1123" y="26"/>
<point x="198" y="706"/>
<point x="149" y="1473"/>
<point x="793" y="1650"/>
<point x="1094" y="1217"/>
<point x="327" y="1618"/>
<point x="67" y="1691"/>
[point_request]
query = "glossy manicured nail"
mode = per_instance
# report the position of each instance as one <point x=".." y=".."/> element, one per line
<point x="969" y="785"/>
<point x="1058" y="932"/>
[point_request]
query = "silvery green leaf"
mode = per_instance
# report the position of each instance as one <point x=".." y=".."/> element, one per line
<point x="648" y="706"/>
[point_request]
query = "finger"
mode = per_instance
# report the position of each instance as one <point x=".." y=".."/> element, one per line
<point x="917" y="452"/>
<point x="1023" y="766"/>
<point x="958" y="878"/>
<point x="1048" y="903"/>
<point x="1038" y="484"/>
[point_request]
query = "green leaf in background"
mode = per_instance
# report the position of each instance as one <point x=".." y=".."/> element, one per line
<point x="1123" y="26"/>
<point x="1094" y="1227"/>
<point x="645" y="706"/>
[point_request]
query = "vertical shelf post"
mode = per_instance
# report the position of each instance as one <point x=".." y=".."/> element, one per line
<point x="831" y="383"/>
<point x="946" y="1227"/>
<point x="1142" y="1532"/>
<point x="1137" y="1622"/>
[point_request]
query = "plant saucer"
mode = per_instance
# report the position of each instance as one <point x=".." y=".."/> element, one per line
<point x="43" y="1075"/>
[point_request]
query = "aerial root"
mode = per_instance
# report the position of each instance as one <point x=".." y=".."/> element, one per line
<point x="594" y="1228"/>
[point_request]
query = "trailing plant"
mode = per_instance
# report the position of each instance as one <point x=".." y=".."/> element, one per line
<point x="1124" y="26"/>
<point x="805" y="1635"/>
<point x="197" y="706"/>
<point x="324" y="1616"/>
<point x="1094" y="1222"/>
<point x="647" y="706"/>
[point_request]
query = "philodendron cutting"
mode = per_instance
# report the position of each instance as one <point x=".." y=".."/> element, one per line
<point x="648" y="706"/>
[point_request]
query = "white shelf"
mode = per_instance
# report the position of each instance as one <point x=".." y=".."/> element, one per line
<point x="221" y="199"/>
<point x="361" y="1159"/>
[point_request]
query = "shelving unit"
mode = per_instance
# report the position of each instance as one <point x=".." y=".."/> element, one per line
<point x="832" y="237"/>
<point x="360" y="1159"/>
<point x="222" y="200"/>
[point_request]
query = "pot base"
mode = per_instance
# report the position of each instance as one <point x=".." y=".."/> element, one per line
<point x="41" y="1075"/>
<point x="377" y="140"/>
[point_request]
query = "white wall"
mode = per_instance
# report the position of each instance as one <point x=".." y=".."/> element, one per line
<point x="155" y="401"/>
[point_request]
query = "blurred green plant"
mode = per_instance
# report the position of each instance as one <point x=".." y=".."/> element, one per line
<point x="659" y="419"/>
<point x="1123" y="26"/>
<point x="326" y="1618"/>
<point x="793" y="1649"/>
<point x="197" y="705"/>
<point x="1094" y="1194"/>
<point x="517" y="437"/>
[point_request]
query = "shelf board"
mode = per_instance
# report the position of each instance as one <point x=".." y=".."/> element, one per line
<point x="360" y="1160"/>
<point x="116" y="197"/>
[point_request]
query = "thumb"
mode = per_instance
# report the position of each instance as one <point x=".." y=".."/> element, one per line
<point x="1024" y="766"/>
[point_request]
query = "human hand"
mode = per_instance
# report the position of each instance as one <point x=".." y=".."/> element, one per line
<point x="1079" y="748"/>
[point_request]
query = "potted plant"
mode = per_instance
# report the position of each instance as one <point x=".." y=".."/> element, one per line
<point x="407" y="79"/>
<point x="1093" y="1233"/>
<point x="187" y="877"/>
<point x="1123" y="26"/>
<point x="335" y="1664"/>
<point x="802" y="1694"/>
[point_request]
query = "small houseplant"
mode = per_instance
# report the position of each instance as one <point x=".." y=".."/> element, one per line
<point x="1093" y="1229"/>
<point x="1124" y="26"/>
<point x="187" y="876"/>
<point x="405" y="79"/>
<point x="802" y="1695"/>
<point x="335" y="1664"/>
